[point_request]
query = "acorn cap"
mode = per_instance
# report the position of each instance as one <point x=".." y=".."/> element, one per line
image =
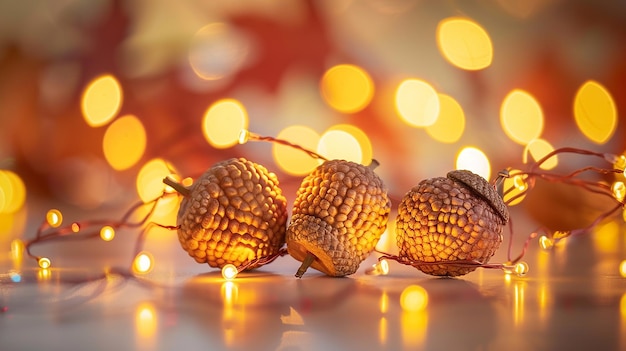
<point x="341" y="210"/>
<point x="450" y="219"/>
<point x="235" y="212"/>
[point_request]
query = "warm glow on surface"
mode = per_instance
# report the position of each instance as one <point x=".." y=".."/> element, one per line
<point x="44" y="262"/>
<point x="340" y="145"/>
<point x="294" y="161"/>
<point x="417" y="103"/>
<point x="229" y="271"/>
<point x="382" y="330"/>
<point x="464" y="43"/>
<point x="223" y="121"/>
<point x="107" y="233"/>
<point x="17" y="249"/>
<point x="146" y="322"/>
<point x="414" y="328"/>
<point x="414" y="298"/>
<point x="521" y="117"/>
<point x="518" y="303"/>
<point x="293" y="318"/>
<point x="101" y="100"/>
<point x="474" y="160"/>
<point x="595" y="112"/>
<point x="124" y="142"/>
<point x="622" y="268"/>
<point x="607" y="237"/>
<point x="143" y="263"/>
<point x="384" y="302"/>
<point x="538" y="149"/>
<point x="54" y="218"/>
<point x="150" y="179"/>
<point x="450" y="125"/>
<point x="362" y="138"/>
<point x="347" y="88"/>
<point x="514" y="186"/>
<point x="12" y="192"/>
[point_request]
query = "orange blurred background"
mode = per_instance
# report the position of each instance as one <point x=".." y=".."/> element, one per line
<point x="99" y="100"/>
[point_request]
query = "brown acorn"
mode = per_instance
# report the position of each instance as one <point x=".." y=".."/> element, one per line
<point x="234" y="213"/>
<point x="340" y="212"/>
<point x="460" y="217"/>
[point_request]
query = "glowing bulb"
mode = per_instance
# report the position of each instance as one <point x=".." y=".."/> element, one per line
<point x="107" y="233"/>
<point x="75" y="227"/>
<point x="519" y="183"/>
<point x="379" y="268"/>
<point x="620" y="162"/>
<point x="44" y="262"/>
<point x="54" y="218"/>
<point x="143" y="262"/>
<point x="414" y="298"/>
<point x="521" y="268"/>
<point x="229" y="271"/>
<point x="619" y="190"/>
<point x="514" y="187"/>
<point x="545" y="242"/>
<point x="244" y="136"/>
<point x="622" y="268"/>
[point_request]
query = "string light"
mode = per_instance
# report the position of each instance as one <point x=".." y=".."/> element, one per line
<point x="521" y="268"/>
<point x="75" y="227"/>
<point x="619" y="191"/>
<point x="143" y="263"/>
<point x="379" y="268"/>
<point x="229" y="271"/>
<point x="54" y="218"/>
<point x="545" y="242"/>
<point x="107" y="233"/>
<point x="44" y="262"/>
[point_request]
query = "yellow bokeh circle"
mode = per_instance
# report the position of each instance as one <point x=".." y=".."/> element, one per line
<point x="223" y="122"/>
<point x="347" y="88"/>
<point x="101" y="100"/>
<point x="124" y="142"/>
<point x="464" y="43"/>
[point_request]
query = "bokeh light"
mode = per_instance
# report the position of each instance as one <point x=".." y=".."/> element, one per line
<point x="414" y="298"/>
<point x="521" y="117"/>
<point x="124" y="142"/>
<point x="347" y="88"/>
<point x="473" y="159"/>
<point x="538" y="149"/>
<point x="44" y="262"/>
<point x="229" y="271"/>
<point x="150" y="179"/>
<point x="417" y="103"/>
<point x="595" y="112"/>
<point x="340" y="145"/>
<point x="464" y="43"/>
<point x="101" y="100"/>
<point x="362" y="138"/>
<point x="217" y="50"/>
<point x="293" y="161"/>
<point x="450" y="125"/>
<point x="12" y="192"/>
<point x="622" y="268"/>
<point x="223" y="121"/>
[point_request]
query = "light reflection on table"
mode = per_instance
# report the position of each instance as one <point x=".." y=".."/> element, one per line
<point x="573" y="298"/>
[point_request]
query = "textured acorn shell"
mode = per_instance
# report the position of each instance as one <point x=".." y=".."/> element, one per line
<point x="340" y="212"/>
<point x="235" y="213"/>
<point x="460" y="217"/>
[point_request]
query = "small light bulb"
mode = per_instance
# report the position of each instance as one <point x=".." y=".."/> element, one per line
<point x="229" y="271"/>
<point x="143" y="262"/>
<point x="44" y="262"/>
<point x="619" y="191"/>
<point x="54" y="218"/>
<point x="545" y="242"/>
<point x="519" y="183"/>
<point x="521" y="268"/>
<point x="75" y="227"/>
<point x="379" y="268"/>
<point x="107" y="233"/>
<point x="620" y="162"/>
<point x="244" y="136"/>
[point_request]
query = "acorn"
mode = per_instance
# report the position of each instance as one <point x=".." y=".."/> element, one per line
<point x="340" y="211"/>
<point x="234" y="213"/>
<point x="457" y="218"/>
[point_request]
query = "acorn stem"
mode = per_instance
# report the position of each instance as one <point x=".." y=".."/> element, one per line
<point x="308" y="260"/>
<point x="374" y="164"/>
<point x="181" y="189"/>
